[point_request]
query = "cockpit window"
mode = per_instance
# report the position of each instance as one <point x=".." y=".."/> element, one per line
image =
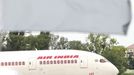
<point x="102" y="61"/>
<point x="96" y="60"/>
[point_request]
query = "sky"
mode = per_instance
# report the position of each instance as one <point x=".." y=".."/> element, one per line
<point x="124" y="40"/>
<point x="128" y="39"/>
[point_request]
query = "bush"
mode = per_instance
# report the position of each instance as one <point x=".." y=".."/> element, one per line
<point x="117" y="56"/>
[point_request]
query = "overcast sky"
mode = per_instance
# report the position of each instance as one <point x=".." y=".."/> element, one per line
<point x="124" y="40"/>
<point x="129" y="38"/>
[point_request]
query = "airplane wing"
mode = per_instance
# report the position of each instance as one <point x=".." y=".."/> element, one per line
<point x="99" y="16"/>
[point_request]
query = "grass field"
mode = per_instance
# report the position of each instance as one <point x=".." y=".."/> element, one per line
<point x="129" y="72"/>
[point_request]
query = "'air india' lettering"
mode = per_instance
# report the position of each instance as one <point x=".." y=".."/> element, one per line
<point x="58" y="57"/>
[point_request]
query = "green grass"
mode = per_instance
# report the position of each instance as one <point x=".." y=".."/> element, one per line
<point x="129" y="72"/>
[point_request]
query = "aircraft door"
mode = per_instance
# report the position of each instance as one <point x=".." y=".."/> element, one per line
<point x="32" y="64"/>
<point x="83" y="62"/>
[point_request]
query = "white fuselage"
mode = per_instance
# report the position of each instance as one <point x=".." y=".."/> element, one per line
<point x="55" y="62"/>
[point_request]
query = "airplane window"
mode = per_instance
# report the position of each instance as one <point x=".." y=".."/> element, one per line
<point x="19" y="63"/>
<point x="68" y="61"/>
<point x="65" y="61"/>
<point x="16" y="63"/>
<point x="30" y="63"/>
<point x="58" y="62"/>
<point x="5" y="63"/>
<point x="40" y="62"/>
<point x="72" y="61"/>
<point x="54" y="61"/>
<point x="48" y="62"/>
<point x="51" y="62"/>
<point x="9" y="63"/>
<point x="102" y="60"/>
<point x="2" y="64"/>
<point x="23" y="63"/>
<point x="81" y="61"/>
<point x="61" y="61"/>
<point x="96" y="60"/>
<point x="44" y="62"/>
<point x="75" y="61"/>
<point x="12" y="63"/>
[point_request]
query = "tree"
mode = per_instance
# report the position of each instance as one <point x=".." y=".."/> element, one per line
<point x="15" y="41"/>
<point x="40" y="42"/>
<point x="106" y="46"/>
<point x="63" y="43"/>
<point x="130" y="60"/>
<point x="77" y="45"/>
<point x="2" y="38"/>
<point x="54" y="41"/>
<point x="30" y="42"/>
<point x="18" y="41"/>
<point x="58" y="42"/>
<point x="117" y="56"/>
<point x="43" y="40"/>
<point x="99" y="42"/>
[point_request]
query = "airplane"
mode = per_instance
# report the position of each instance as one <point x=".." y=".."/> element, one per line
<point x="55" y="62"/>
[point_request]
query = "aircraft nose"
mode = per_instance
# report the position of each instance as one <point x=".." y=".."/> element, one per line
<point x="111" y="69"/>
<point x="115" y="70"/>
